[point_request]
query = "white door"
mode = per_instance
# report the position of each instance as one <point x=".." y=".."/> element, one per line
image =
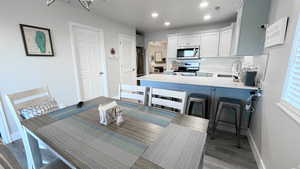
<point x="127" y="54"/>
<point x="225" y="42"/>
<point x="209" y="46"/>
<point x="90" y="61"/>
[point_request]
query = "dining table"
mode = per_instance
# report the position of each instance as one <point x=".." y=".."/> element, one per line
<point x="149" y="138"/>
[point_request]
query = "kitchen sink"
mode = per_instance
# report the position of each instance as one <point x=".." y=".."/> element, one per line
<point x="204" y="74"/>
<point x="224" y="75"/>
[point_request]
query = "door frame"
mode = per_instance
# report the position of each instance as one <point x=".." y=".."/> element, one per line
<point x="127" y="36"/>
<point x="6" y="137"/>
<point x="76" y="61"/>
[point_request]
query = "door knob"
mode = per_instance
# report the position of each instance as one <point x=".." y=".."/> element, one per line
<point x="101" y="73"/>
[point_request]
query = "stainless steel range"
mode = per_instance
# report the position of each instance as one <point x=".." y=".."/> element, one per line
<point x="188" y="67"/>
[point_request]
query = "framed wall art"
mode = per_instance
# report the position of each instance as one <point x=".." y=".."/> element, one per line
<point x="37" y="41"/>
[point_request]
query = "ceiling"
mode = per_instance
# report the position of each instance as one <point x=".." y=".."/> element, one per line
<point x="179" y="12"/>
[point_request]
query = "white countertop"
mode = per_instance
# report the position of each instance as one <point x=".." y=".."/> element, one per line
<point x="196" y="80"/>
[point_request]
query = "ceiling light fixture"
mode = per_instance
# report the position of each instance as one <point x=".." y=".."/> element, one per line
<point x="207" y="17"/>
<point x="154" y="15"/>
<point x="204" y="4"/>
<point x="84" y="3"/>
<point x="167" y="23"/>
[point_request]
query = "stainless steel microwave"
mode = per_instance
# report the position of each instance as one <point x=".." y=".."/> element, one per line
<point x="188" y="53"/>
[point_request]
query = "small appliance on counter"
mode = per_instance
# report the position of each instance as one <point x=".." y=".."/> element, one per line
<point x="250" y="78"/>
<point x="248" y="75"/>
<point x="236" y="70"/>
<point x="249" y="71"/>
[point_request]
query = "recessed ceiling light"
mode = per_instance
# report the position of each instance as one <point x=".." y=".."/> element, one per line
<point x="167" y="23"/>
<point x="154" y="15"/>
<point x="207" y="17"/>
<point x="204" y="4"/>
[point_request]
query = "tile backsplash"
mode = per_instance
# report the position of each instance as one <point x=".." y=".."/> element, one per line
<point x="223" y="65"/>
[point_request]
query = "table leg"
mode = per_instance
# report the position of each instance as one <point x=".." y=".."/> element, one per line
<point x="32" y="150"/>
<point x="201" y="165"/>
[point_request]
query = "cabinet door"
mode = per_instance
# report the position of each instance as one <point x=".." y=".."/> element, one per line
<point x="189" y="40"/>
<point x="225" y="42"/>
<point x="209" y="46"/>
<point x="172" y="47"/>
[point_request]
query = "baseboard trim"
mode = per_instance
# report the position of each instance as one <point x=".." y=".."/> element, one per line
<point x="255" y="151"/>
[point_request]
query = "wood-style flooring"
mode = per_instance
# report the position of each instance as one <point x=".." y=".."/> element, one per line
<point x="221" y="153"/>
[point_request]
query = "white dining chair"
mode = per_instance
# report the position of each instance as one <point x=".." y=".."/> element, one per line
<point x="22" y="100"/>
<point x="3" y="125"/>
<point x="137" y="94"/>
<point x="168" y="98"/>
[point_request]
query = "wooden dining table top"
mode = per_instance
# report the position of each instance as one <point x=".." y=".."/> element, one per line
<point x="149" y="138"/>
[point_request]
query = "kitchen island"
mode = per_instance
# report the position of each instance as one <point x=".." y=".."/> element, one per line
<point x="214" y="87"/>
<point x="223" y="82"/>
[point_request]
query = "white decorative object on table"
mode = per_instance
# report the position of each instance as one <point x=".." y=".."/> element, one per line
<point x="120" y="118"/>
<point x="110" y="113"/>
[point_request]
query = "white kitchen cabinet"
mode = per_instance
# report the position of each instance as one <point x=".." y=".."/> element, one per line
<point x="214" y="43"/>
<point x="209" y="46"/>
<point x="225" y="42"/>
<point x="188" y="40"/>
<point x="172" y="47"/>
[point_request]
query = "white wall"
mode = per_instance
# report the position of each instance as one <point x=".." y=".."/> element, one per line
<point x="19" y="72"/>
<point x="275" y="133"/>
<point x="251" y="36"/>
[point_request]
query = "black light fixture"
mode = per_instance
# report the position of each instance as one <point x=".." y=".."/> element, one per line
<point x="84" y="3"/>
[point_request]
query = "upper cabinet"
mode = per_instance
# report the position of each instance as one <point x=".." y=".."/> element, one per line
<point x="213" y="43"/>
<point x="188" y="40"/>
<point x="209" y="46"/>
<point x="172" y="46"/>
<point x="225" y="42"/>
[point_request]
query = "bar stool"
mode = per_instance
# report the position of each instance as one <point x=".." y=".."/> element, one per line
<point x="237" y="106"/>
<point x="200" y="99"/>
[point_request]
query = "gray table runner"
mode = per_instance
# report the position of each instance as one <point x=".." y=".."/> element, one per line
<point x="96" y="146"/>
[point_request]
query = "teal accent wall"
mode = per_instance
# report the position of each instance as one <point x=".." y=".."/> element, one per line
<point x="252" y="37"/>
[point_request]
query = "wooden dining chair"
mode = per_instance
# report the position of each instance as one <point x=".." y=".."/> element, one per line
<point x="136" y="94"/>
<point x="35" y="98"/>
<point x="169" y="99"/>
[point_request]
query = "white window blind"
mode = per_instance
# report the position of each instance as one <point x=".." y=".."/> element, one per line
<point x="291" y="92"/>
